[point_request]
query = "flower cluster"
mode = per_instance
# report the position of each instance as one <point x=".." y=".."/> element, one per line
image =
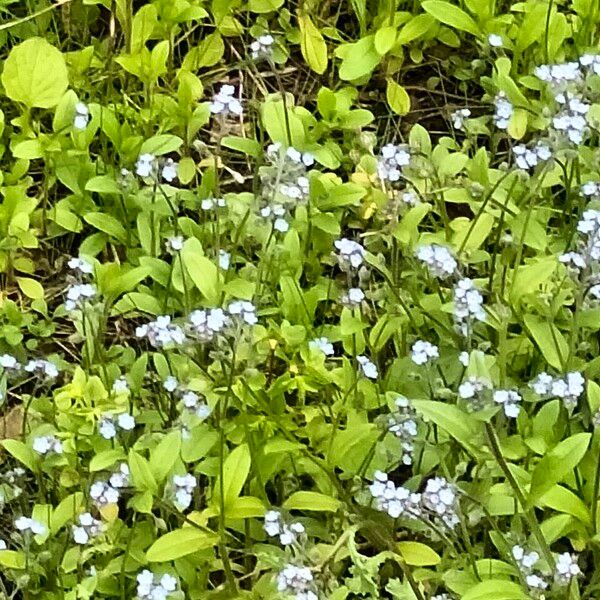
<point x="109" y="424"/>
<point x="86" y="529"/>
<point x="441" y="499"/>
<point x="288" y="534"/>
<point x="155" y="587"/>
<point x="509" y="400"/>
<point x="82" y="116"/>
<point x="161" y="333"/>
<point x="566" y="568"/>
<point x="571" y="119"/>
<point x="526" y="562"/>
<point x="437" y="502"/>
<point x="439" y="260"/>
<point x="459" y="117"/>
<point x="395" y="501"/>
<point x="322" y="344"/>
<point x="568" y="388"/>
<point x="475" y="391"/>
<point x="183" y="487"/>
<point x="468" y="306"/>
<point x="367" y="367"/>
<point x="503" y="111"/>
<point x="297" y="581"/>
<point x="224" y="102"/>
<point x="285" y="183"/>
<point x="529" y="158"/>
<point x="262" y="47"/>
<point x="403" y="424"/>
<point x="350" y="254"/>
<point x="206" y="325"/>
<point x="192" y="403"/>
<point x="107" y="492"/>
<point x="47" y="444"/>
<point x="391" y="161"/>
<point x="28" y="525"/>
<point x="353" y="298"/>
<point x="148" y="165"/>
<point x="422" y="352"/>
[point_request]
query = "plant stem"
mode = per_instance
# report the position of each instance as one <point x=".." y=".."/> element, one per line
<point x="527" y="512"/>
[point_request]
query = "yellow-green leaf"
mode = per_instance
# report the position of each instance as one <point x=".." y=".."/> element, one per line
<point x="178" y="543"/>
<point x="451" y="15"/>
<point x="312" y="44"/>
<point x="397" y="98"/>
<point x="35" y="73"/>
<point x="12" y="559"/>
<point x="311" y="501"/>
<point x="31" y="288"/>
<point x="418" y="555"/>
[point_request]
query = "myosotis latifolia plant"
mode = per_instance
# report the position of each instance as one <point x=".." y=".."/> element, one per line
<point x="266" y="332"/>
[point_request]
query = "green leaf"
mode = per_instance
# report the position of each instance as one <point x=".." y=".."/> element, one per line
<point x="418" y="555"/>
<point x="66" y="511"/>
<point x="312" y="44"/>
<point x="236" y="469"/>
<point x="245" y="507"/>
<point x="451" y="15"/>
<point x="326" y="222"/>
<point x="23" y="453"/>
<point x="274" y="120"/>
<point x="31" y="288"/>
<point x="385" y="38"/>
<point x="144" y="22"/>
<point x="28" y="149"/>
<point x="199" y="444"/>
<point x="142" y="476"/>
<point x="557" y="464"/>
<point x="105" y="459"/>
<point x="563" y="500"/>
<point x="358" y="59"/>
<point x="35" y="73"/>
<point x="346" y="194"/>
<point x="161" y="144"/>
<point x="415" y="28"/>
<point x="165" y="455"/>
<point x="407" y="230"/>
<point x="245" y="145"/>
<point x="178" y="543"/>
<point x="312" y="501"/>
<point x="264" y="6"/>
<point x="458" y="424"/>
<point x="203" y="272"/>
<point x="548" y="339"/>
<point x="496" y="589"/>
<point x="208" y="53"/>
<point x="397" y="98"/>
<point x="12" y="559"/>
<point x="108" y="224"/>
<point x="517" y="126"/>
<point x="103" y="184"/>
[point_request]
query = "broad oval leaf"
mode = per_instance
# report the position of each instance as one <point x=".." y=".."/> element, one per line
<point x="312" y="44"/>
<point x="418" y="555"/>
<point x="311" y="501"/>
<point x="456" y="423"/>
<point x="35" y="73"/>
<point x="236" y="469"/>
<point x="557" y="463"/>
<point x="178" y="543"/>
<point x="496" y="589"/>
<point x="451" y="15"/>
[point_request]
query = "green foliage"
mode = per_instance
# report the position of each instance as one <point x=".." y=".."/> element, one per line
<point x="216" y="229"/>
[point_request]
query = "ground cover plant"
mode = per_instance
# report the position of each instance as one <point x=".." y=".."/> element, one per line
<point x="300" y="300"/>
